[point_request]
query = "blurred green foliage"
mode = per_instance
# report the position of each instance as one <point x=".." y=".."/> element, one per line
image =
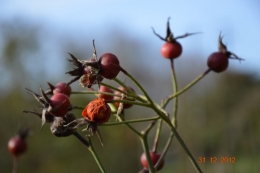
<point x="217" y="118"/>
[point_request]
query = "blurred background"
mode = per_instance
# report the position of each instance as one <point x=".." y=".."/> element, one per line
<point x="218" y="117"/>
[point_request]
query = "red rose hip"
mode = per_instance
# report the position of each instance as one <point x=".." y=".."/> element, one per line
<point x="125" y="105"/>
<point x="60" y="104"/>
<point x="17" y="146"/>
<point x="171" y="50"/>
<point x="218" y="62"/>
<point x="154" y="157"/>
<point x="104" y="96"/>
<point x="109" y="65"/>
<point x="60" y="87"/>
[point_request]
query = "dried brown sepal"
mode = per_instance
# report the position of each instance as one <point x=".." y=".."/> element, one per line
<point x="223" y="48"/>
<point x="87" y="71"/>
<point x="45" y="102"/>
<point x="169" y="34"/>
<point x="75" y="61"/>
<point x="48" y="117"/>
<point x="50" y="91"/>
<point x="63" y="126"/>
<point x="93" y="129"/>
<point x="87" y="80"/>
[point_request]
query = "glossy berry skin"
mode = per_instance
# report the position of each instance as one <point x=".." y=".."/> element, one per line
<point x="97" y="111"/>
<point x="171" y="50"/>
<point x="104" y="96"/>
<point x="17" y="146"/>
<point x="60" y="104"/>
<point x="109" y="65"/>
<point x="154" y="157"/>
<point x="218" y="61"/>
<point x="125" y="105"/>
<point x="63" y="88"/>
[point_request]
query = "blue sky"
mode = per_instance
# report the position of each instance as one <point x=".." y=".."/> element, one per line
<point x="237" y="20"/>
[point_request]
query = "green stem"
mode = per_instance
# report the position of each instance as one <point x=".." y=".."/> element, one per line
<point x="164" y="116"/>
<point x="167" y="145"/>
<point x="145" y="145"/>
<point x="193" y="161"/>
<point x="89" y="145"/>
<point x="175" y="89"/>
<point x="147" y="153"/>
<point x="94" y="154"/>
<point x="178" y="137"/>
<point x="131" y="121"/>
<point x="168" y="99"/>
<point x="128" y="125"/>
<point x="15" y="164"/>
<point x="157" y="135"/>
<point x="131" y="102"/>
<point x="139" y="86"/>
<point x="129" y="91"/>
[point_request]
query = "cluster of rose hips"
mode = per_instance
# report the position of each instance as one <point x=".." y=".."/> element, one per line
<point x="56" y="106"/>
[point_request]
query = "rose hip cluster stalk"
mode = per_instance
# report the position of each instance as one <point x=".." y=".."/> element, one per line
<point x="56" y="107"/>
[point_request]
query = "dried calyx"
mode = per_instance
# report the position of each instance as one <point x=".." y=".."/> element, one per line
<point x="63" y="126"/>
<point x="87" y="71"/>
<point x="223" y="48"/>
<point x="169" y="34"/>
<point x="60" y="126"/>
<point x="57" y="106"/>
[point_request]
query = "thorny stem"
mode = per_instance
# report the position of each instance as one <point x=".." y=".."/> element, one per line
<point x="168" y="99"/>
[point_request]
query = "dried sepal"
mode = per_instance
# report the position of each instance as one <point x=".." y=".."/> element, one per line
<point x="169" y="34"/>
<point x="63" y="126"/>
<point x="48" y="117"/>
<point x="87" y="71"/>
<point x="223" y="48"/>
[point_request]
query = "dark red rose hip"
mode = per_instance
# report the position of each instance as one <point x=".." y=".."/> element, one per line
<point x="218" y="62"/>
<point x="109" y="65"/>
<point x="154" y="157"/>
<point x="125" y="105"/>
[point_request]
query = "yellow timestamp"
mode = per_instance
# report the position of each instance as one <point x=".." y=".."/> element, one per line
<point x="217" y="159"/>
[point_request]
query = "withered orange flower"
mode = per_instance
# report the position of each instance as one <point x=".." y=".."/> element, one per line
<point x="97" y="111"/>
